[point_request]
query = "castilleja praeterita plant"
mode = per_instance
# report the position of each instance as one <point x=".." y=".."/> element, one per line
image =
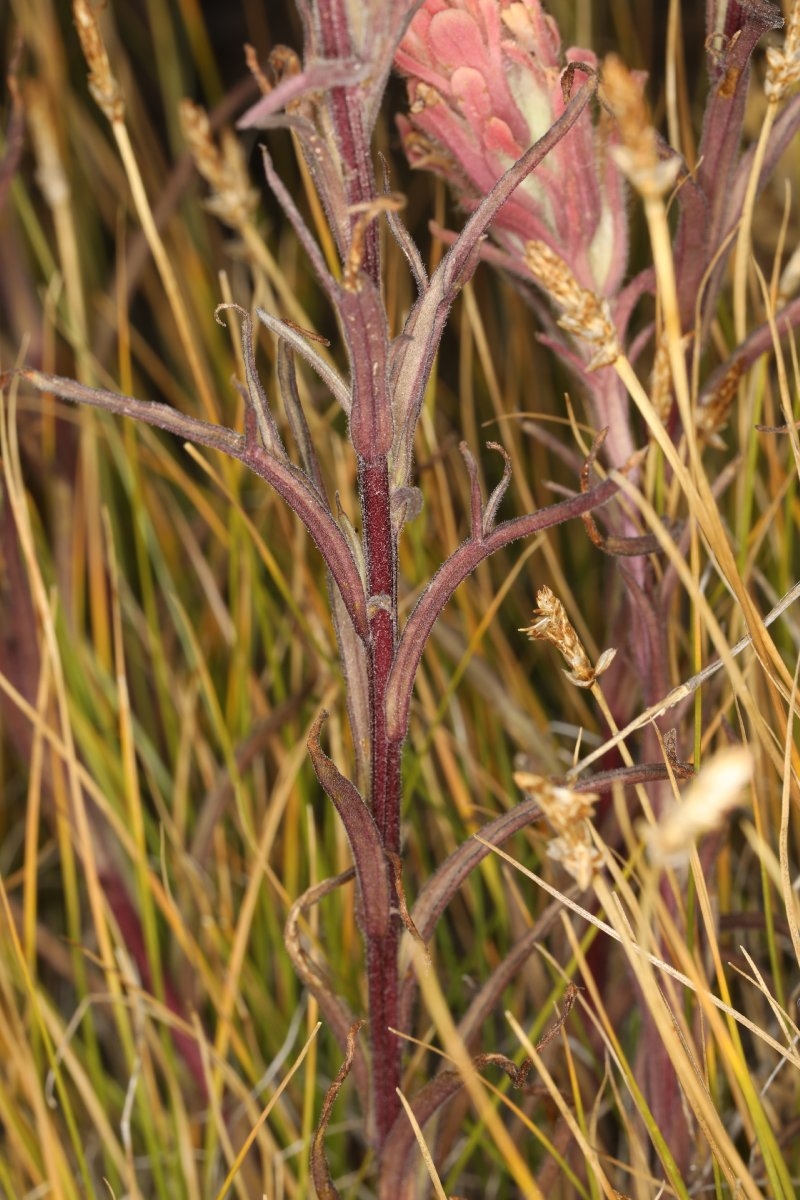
<point x="539" y="164"/>
<point x="331" y="103"/>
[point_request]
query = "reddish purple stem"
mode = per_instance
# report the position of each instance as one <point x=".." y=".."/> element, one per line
<point x="381" y="563"/>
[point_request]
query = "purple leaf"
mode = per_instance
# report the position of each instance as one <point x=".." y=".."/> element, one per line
<point x="363" y="320"/>
<point x="362" y="832"/>
<point x="461" y="563"/>
<point x="288" y="481"/>
<point x="256" y="395"/>
<point x="332" y="1007"/>
<point x="292" y="336"/>
<point x="317" y="77"/>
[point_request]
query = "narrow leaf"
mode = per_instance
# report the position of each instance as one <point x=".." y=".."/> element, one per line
<point x="496" y="498"/>
<point x="461" y="563"/>
<point x="475" y="498"/>
<point x="404" y="239"/>
<point x="256" y="396"/>
<point x="362" y="832"/>
<point x="289" y="334"/>
<point x="288" y="480"/>
<point x="320" y="1171"/>
<point x="304" y="235"/>
<point x="287" y="383"/>
<point x="317" y="77"/>
<point x="332" y="1007"/>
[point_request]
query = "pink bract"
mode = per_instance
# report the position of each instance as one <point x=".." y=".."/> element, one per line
<point x="485" y="82"/>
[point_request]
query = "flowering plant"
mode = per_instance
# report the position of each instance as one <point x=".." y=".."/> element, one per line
<point x="487" y="79"/>
<point x="330" y="102"/>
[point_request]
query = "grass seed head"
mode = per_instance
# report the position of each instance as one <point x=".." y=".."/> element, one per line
<point x="713" y="792"/>
<point x="551" y="624"/>
<point x="783" y="63"/>
<point x="568" y="813"/>
<point x="103" y="85"/>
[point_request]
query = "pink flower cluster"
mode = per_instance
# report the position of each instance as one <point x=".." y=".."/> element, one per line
<point x="485" y="82"/>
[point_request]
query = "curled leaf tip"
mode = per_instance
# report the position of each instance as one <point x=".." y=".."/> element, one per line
<point x="224" y="306"/>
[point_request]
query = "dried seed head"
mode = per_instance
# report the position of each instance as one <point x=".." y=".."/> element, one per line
<point x="578" y="856"/>
<point x="197" y="131"/>
<point x="568" y="814"/>
<point x="661" y="381"/>
<point x="638" y="155"/>
<point x="715" y="790"/>
<point x="783" y="64"/>
<point x="585" y="315"/>
<point x="562" y="806"/>
<point x="103" y="85"/>
<point x="551" y="624"/>
<point x="712" y="417"/>
<point x="233" y="200"/>
<point x="661" y="391"/>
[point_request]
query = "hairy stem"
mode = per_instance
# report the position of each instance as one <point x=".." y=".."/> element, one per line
<point x="385" y="790"/>
<point x="382" y="983"/>
<point x="348" y="120"/>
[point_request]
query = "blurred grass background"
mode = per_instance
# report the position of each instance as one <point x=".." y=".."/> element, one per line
<point x="166" y="645"/>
